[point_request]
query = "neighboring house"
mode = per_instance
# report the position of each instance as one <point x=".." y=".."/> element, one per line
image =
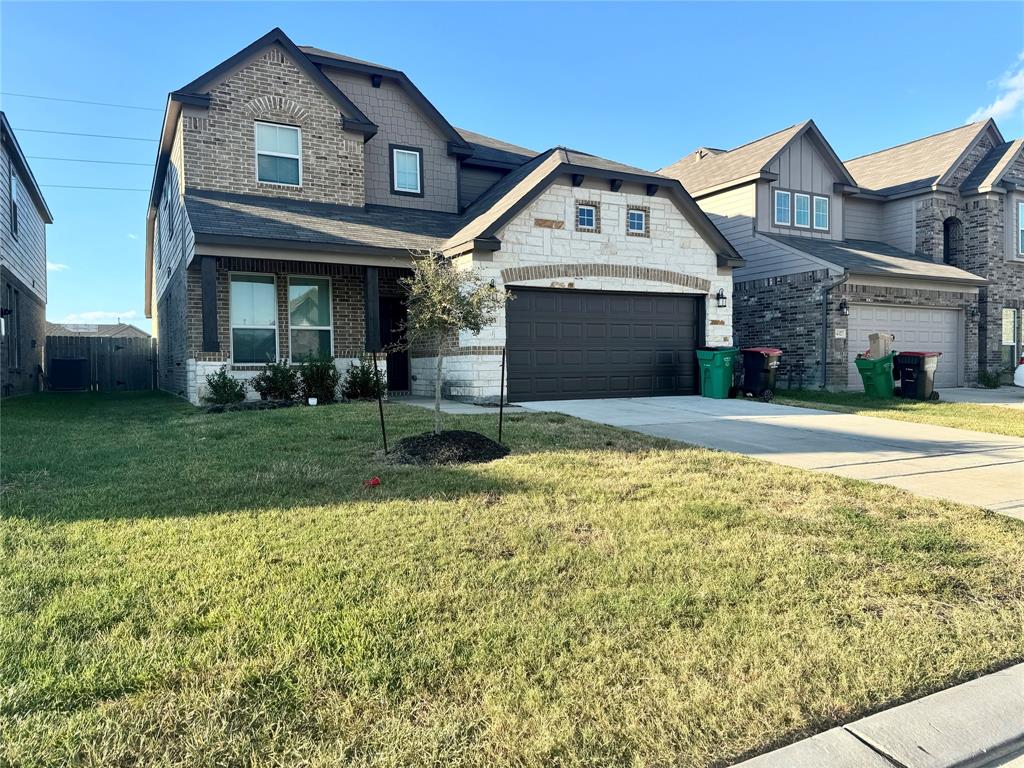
<point x="107" y="330"/>
<point x="293" y="185"/>
<point x="23" y="220"/>
<point x="924" y="240"/>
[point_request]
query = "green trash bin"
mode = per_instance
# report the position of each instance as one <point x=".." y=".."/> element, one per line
<point x="877" y="376"/>
<point x="716" y="370"/>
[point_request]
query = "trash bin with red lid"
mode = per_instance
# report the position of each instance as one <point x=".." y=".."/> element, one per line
<point x="759" y="367"/>
<point x="917" y="374"/>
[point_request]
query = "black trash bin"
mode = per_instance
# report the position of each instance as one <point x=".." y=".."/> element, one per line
<point x="759" y="367"/>
<point x="917" y="374"/>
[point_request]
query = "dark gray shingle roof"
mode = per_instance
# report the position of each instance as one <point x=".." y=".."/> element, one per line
<point x="226" y="215"/>
<point x="993" y="166"/>
<point x="869" y="257"/>
<point x="488" y="148"/>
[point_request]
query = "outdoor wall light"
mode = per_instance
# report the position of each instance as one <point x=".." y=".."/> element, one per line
<point x="844" y="308"/>
<point x="720" y="298"/>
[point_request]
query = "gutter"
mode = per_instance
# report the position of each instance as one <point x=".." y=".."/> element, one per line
<point x="824" y="325"/>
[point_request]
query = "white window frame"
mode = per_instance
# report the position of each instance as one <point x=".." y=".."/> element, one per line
<point x="828" y="213"/>
<point x="330" y="315"/>
<point x="418" y="154"/>
<point x="277" y="316"/>
<point x="257" y="153"/>
<point x="13" y="187"/>
<point x="775" y="208"/>
<point x="807" y="197"/>
<point x="593" y="211"/>
<point x="643" y="221"/>
<point x="1020" y="229"/>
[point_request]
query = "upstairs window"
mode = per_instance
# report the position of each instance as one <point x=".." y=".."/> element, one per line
<point x="820" y="213"/>
<point x="253" y="318"/>
<point x="168" y="210"/>
<point x="802" y="210"/>
<point x="1020" y="229"/>
<point x="587" y="217"/>
<point x="782" y="208"/>
<point x="406" y="171"/>
<point x="278" y="154"/>
<point x="14" y="203"/>
<point x="309" y="317"/>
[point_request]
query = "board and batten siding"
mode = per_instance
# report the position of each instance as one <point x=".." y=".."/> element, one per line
<point x="732" y="212"/>
<point x="24" y="255"/>
<point x="473" y="182"/>
<point x="801" y="167"/>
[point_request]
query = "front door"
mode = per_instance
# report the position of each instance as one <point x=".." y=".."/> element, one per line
<point x="392" y="319"/>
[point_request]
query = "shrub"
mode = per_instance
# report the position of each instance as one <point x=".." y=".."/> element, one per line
<point x="223" y="388"/>
<point x="320" y="378"/>
<point x="363" y="381"/>
<point x="277" y="381"/>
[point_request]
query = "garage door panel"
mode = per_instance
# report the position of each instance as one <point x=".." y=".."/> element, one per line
<point x="917" y="329"/>
<point x="604" y="344"/>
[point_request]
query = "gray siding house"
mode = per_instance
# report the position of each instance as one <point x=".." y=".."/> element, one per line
<point x="294" y="187"/>
<point x="23" y="220"/>
<point x="923" y="240"/>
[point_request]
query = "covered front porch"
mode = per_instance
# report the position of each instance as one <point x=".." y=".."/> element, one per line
<point x="245" y="311"/>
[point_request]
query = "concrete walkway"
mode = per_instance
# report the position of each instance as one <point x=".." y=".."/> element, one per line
<point x="1004" y="397"/>
<point x="978" y="724"/>
<point x="447" y="406"/>
<point x="940" y="462"/>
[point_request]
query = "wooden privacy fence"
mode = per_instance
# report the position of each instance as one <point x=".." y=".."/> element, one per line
<point x="99" y="363"/>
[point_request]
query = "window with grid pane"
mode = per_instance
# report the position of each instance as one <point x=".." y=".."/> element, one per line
<point x="278" y="154"/>
<point x="253" y="317"/>
<point x="309" y="317"/>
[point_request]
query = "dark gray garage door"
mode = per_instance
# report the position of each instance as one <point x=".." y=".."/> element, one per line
<point x="576" y="344"/>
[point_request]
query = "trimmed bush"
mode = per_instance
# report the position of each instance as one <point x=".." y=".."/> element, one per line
<point x="320" y="377"/>
<point x="363" y="381"/>
<point x="222" y="388"/>
<point x="277" y="381"/>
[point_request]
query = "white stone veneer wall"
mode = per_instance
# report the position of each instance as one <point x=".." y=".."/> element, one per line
<point x="673" y="245"/>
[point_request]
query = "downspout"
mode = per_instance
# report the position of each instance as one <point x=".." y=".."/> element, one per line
<point x="824" y="324"/>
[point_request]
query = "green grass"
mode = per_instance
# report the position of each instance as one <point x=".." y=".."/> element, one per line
<point x="980" y="418"/>
<point x="221" y="590"/>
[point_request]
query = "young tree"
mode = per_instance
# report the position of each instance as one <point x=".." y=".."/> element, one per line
<point x="444" y="300"/>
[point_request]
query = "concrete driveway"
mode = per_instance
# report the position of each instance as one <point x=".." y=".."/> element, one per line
<point x="1004" y="397"/>
<point x="968" y="467"/>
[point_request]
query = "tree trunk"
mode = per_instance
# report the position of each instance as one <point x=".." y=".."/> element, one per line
<point x="437" y="391"/>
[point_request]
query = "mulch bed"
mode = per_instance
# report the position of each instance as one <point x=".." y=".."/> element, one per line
<point x="251" y="405"/>
<point x="457" y="446"/>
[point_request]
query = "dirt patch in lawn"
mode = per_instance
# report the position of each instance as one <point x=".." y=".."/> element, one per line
<point x="457" y="446"/>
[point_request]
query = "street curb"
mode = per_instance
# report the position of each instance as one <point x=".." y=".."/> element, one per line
<point x="967" y="726"/>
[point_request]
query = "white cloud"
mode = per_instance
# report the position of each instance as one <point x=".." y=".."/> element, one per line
<point x="52" y="266"/>
<point x="132" y="237"/>
<point x="1009" y="101"/>
<point x="100" y="316"/>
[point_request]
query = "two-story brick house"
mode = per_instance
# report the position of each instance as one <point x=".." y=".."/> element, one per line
<point x="23" y="219"/>
<point x="294" y="187"/>
<point x="922" y="240"/>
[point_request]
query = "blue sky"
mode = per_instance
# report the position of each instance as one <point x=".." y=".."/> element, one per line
<point x="639" y="83"/>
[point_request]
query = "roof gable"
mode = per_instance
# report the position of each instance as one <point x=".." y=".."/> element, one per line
<point x="321" y="58"/>
<point x="25" y="172"/>
<point x="708" y="169"/>
<point x="920" y="163"/>
<point x="994" y="168"/>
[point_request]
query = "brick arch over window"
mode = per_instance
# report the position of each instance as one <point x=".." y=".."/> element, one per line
<point x="277" y="107"/>
<point x="627" y="271"/>
<point x="953" y="241"/>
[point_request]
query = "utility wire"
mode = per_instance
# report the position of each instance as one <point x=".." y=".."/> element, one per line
<point x="90" y="135"/>
<point x="79" y="101"/>
<point x="84" y="160"/>
<point x="108" y="189"/>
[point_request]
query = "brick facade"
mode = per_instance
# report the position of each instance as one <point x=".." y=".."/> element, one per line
<point x="171" y="324"/>
<point x="219" y="143"/>
<point x="21" y="353"/>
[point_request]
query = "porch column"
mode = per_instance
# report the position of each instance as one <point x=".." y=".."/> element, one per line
<point x="371" y="297"/>
<point x="208" y="285"/>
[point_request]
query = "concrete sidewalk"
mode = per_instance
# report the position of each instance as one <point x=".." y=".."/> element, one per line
<point x="979" y="724"/>
<point x="968" y="467"/>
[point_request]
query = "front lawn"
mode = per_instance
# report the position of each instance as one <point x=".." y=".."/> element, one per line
<point x="196" y="590"/>
<point x="980" y="418"/>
